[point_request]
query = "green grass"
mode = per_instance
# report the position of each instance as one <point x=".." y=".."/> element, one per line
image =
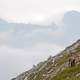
<point x="77" y="49"/>
<point x="68" y="74"/>
<point x="62" y="60"/>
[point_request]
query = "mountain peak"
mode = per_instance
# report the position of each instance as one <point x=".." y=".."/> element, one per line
<point x="72" y="21"/>
<point x="72" y="15"/>
<point x="72" y="12"/>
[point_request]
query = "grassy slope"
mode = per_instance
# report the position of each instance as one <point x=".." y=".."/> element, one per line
<point x="69" y="73"/>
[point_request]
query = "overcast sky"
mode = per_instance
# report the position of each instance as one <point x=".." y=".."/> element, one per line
<point x="35" y="10"/>
<point x="21" y="46"/>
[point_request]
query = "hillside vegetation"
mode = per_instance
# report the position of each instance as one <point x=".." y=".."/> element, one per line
<point x="64" y="66"/>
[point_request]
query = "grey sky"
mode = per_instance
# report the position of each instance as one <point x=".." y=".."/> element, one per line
<point x="22" y="45"/>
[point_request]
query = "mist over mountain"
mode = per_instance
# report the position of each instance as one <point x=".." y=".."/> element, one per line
<point x="65" y="65"/>
<point x="20" y="42"/>
<point x="44" y="33"/>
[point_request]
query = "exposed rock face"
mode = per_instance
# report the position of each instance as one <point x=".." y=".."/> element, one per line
<point x="53" y="65"/>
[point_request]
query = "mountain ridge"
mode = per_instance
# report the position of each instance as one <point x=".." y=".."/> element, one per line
<point x="36" y="72"/>
<point x="48" y="69"/>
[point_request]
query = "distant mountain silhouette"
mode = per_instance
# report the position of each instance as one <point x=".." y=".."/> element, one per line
<point x="72" y="20"/>
<point x="71" y="26"/>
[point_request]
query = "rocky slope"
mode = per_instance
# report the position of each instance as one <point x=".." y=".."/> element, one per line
<point x="64" y="66"/>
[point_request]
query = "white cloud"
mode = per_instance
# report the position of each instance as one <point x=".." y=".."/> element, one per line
<point x="3" y="38"/>
<point x="30" y="48"/>
<point x="35" y="11"/>
<point x="29" y="35"/>
<point x="14" y="61"/>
